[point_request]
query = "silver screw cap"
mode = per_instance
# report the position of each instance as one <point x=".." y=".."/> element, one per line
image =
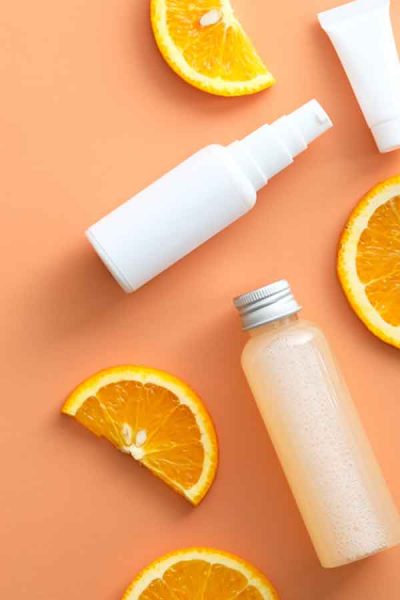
<point x="266" y="304"/>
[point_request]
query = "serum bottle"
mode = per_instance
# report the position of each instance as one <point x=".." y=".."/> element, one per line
<point x="315" y="429"/>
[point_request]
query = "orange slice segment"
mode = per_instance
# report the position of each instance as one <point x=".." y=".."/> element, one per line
<point x="205" y="44"/>
<point x="200" y="574"/>
<point x="154" y="417"/>
<point x="369" y="260"/>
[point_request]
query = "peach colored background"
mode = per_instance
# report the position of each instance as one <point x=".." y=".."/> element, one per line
<point x="89" y="115"/>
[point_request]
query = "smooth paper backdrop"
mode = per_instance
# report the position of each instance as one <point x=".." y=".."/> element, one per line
<point x="90" y="114"/>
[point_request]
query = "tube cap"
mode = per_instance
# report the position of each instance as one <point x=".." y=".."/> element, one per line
<point x="387" y="135"/>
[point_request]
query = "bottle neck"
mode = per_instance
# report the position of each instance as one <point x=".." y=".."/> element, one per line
<point x="261" y="155"/>
<point x="273" y="325"/>
<point x="271" y="148"/>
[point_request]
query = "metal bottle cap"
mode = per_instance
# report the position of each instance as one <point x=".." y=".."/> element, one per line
<point x="266" y="304"/>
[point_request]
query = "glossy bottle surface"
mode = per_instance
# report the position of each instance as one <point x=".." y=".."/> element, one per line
<point x="319" y="439"/>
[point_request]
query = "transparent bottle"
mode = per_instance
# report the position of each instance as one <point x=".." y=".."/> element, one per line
<point x="315" y="429"/>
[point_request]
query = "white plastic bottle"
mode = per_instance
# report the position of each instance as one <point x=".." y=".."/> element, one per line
<point x="199" y="198"/>
<point x="316" y="432"/>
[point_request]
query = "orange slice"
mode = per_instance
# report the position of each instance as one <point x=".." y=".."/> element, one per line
<point x="154" y="417"/>
<point x="369" y="260"/>
<point x="204" y="43"/>
<point x="200" y="574"/>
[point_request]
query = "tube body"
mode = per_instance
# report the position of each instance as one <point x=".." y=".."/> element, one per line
<point x="317" y="434"/>
<point x="362" y="35"/>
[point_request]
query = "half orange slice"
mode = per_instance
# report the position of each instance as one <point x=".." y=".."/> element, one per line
<point x="200" y="574"/>
<point x="204" y="43"/>
<point x="157" y="419"/>
<point x="369" y="260"/>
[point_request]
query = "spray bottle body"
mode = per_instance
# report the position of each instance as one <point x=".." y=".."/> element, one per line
<point x="200" y="197"/>
<point x="173" y="216"/>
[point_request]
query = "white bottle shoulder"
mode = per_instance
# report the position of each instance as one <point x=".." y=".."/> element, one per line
<point x="221" y="155"/>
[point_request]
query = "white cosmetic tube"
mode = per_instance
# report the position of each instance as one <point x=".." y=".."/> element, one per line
<point x="362" y="34"/>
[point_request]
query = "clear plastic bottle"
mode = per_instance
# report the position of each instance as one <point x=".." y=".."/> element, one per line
<point x="315" y="429"/>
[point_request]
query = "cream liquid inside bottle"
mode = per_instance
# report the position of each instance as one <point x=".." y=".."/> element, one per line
<point x="315" y="429"/>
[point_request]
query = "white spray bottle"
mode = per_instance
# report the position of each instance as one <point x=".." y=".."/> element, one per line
<point x="200" y="197"/>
